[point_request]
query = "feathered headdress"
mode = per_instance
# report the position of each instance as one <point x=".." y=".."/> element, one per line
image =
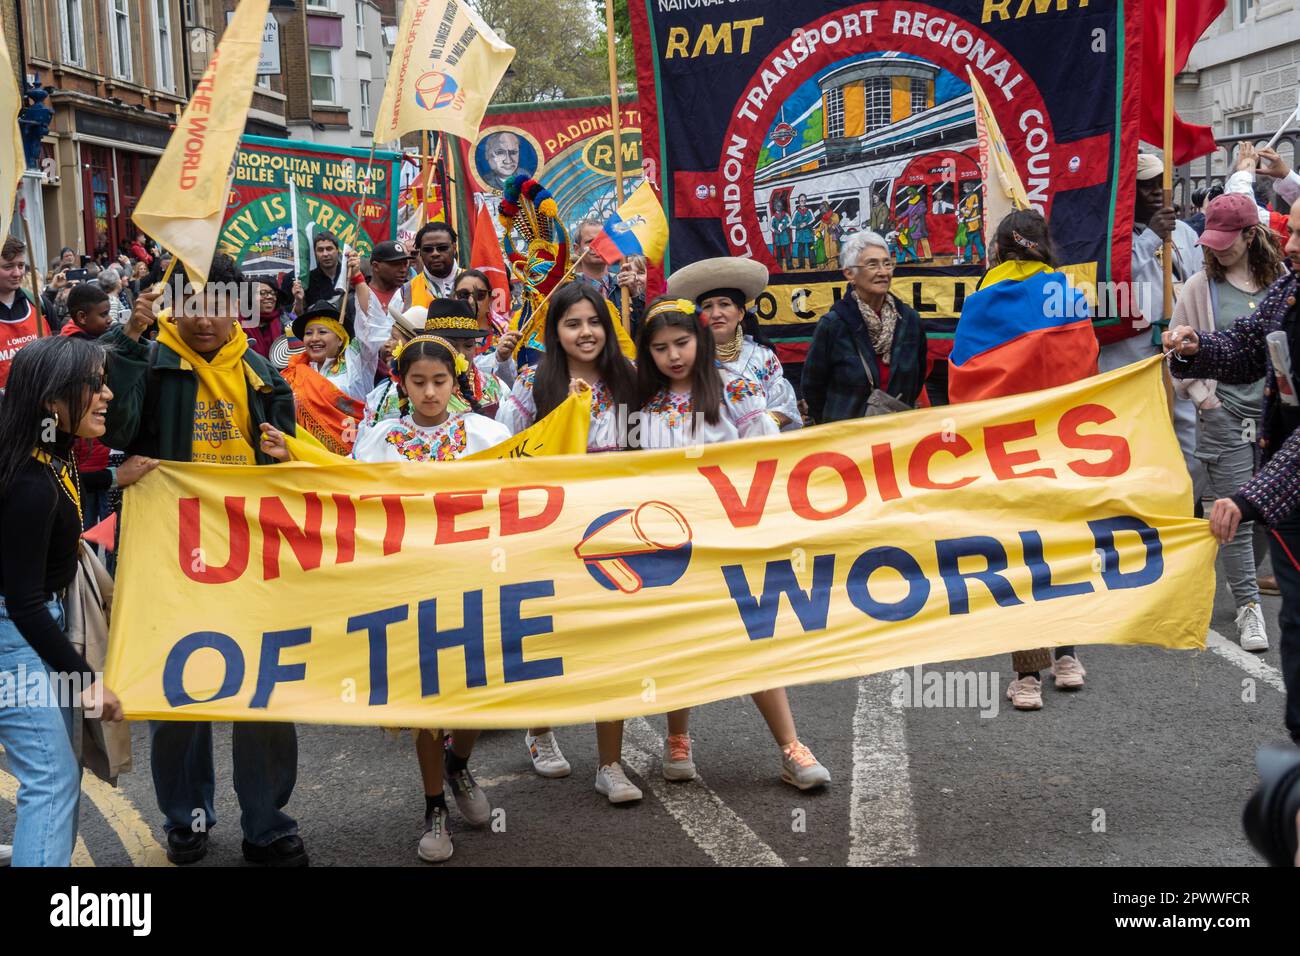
<point x="536" y="245"/>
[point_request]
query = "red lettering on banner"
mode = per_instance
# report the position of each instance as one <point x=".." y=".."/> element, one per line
<point x="305" y="542"/>
<point x="855" y="489"/>
<point x="744" y="514"/>
<point x="918" y="466"/>
<point x="450" y="505"/>
<point x="1068" y="431"/>
<point x="512" y="522"/>
<point x="345" y="529"/>
<point x="395" y="529"/>
<point x="882" y="458"/>
<point x="193" y="560"/>
<point x="1004" y="462"/>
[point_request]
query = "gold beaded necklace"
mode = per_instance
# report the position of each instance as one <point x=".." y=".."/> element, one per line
<point x="731" y="351"/>
<point x="68" y="477"/>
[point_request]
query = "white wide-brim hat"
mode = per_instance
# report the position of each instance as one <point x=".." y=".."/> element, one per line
<point x="724" y="272"/>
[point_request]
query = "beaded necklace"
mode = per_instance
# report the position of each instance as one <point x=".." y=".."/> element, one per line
<point x="731" y="351"/>
<point x="68" y="477"/>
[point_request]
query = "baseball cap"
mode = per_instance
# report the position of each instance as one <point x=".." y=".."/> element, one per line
<point x="1225" y="217"/>
<point x="390" y="250"/>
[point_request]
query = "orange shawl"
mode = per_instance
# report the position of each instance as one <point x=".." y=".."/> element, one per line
<point x="323" y="409"/>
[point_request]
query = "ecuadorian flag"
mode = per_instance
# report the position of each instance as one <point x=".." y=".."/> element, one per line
<point x="638" y="228"/>
<point x="1024" y="329"/>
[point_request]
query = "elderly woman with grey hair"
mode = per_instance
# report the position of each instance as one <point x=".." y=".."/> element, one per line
<point x="119" y="303"/>
<point x="869" y="342"/>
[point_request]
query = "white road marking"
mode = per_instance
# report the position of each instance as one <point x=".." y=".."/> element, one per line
<point x="1252" y="664"/>
<point x="882" y="821"/>
<point x="700" y="812"/>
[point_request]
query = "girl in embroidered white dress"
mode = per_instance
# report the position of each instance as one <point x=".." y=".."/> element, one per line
<point x="579" y="343"/>
<point x="686" y="400"/>
<point x="429" y="371"/>
<point x="720" y="288"/>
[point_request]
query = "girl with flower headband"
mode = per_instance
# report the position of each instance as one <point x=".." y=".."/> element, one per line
<point x="580" y="345"/>
<point x="430" y="371"/>
<point x="685" y="400"/>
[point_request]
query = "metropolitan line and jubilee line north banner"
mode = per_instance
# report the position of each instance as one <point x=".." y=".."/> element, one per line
<point x="517" y="593"/>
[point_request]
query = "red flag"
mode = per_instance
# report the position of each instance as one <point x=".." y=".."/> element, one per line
<point x="1192" y="18"/>
<point x="485" y="256"/>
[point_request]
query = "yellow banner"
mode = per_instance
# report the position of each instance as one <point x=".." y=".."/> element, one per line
<point x="933" y="296"/>
<point x="444" y="70"/>
<point x="185" y="201"/>
<point x="12" y="159"/>
<point x="566" y="590"/>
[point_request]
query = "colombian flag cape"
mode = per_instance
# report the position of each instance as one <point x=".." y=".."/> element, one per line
<point x="1024" y="329"/>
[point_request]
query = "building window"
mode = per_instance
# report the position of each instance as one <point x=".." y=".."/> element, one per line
<point x="879" y="100"/>
<point x="74" y="50"/>
<point x="366" y="127"/>
<point x="320" y="4"/>
<point x="835" y="112"/>
<point x="119" y="35"/>
<point x="322" y="76"/>
<point x="1241" y="125"/>
<point x="1242" y="10"/>
<point x="34" y="11"/>
<point x="361" y="25"/>
<point x="920" y="94"/>
<point x="163" y="62"/>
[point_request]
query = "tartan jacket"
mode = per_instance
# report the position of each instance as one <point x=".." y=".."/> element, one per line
<point x="1240" y="356"/>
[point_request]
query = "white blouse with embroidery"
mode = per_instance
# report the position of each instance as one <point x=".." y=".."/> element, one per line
<point x="353" y="372"/>
<point x="518" y="411"/>
<point x="668" y="420"/>
<point x="760" y="364"/>
<point x="400" y="439"/>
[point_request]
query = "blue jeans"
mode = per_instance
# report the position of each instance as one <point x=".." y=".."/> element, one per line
<point x="265" y="756"/>
<point x="37" y="737"/>
<point x="1288" y="619"/>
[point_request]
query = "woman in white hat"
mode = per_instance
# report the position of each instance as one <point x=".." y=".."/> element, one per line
<point x="721" y="288"/>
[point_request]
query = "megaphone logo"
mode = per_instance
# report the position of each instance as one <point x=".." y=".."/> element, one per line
<point x="631" y="549"/>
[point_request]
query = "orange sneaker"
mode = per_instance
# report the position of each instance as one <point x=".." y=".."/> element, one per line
<point x="678" y="764"/>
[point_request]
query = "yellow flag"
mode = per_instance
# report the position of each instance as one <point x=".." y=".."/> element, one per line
<point x="185" y="201"/>
<point x="12" y="160"/>
<point x="445" y="68"/>
<point x="563" y="432"/>
<point x="1003" y="190"/>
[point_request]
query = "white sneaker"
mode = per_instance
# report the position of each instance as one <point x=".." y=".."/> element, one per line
<point x="1250" y="628"/>
<point x="801" y="769"/>
<point x="678" y="763"/>
<point x="435" y="845"/>
<point x="613" y="783"/>
<point x="545" y="751"/>
<point x="6" y="854"/>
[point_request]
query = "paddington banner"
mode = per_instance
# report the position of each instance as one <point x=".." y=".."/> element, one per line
<point x="785" y="128"/>
<point x="342" y="193"/>
<point x="566" y="145"/>
<point x="527" y="592"/>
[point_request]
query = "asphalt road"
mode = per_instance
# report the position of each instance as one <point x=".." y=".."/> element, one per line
<point x="1149" y="764"/>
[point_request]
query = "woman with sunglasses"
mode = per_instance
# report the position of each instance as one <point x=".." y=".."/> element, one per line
<point x="56" y="394"/>
<point x="495" y="355"/>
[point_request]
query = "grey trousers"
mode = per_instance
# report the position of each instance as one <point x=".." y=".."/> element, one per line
<point x="1229" y="460"/>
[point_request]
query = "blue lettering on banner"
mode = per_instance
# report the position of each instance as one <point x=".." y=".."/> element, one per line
<point x="950" y="552"/>
<point x="1041" y="574"/>
<point x="469" y="636"/>
<point x="375" y="624"/>
<point x="270" y="671"/>
<point x="179" y="655"/>
<point x="1103" y="533"/>
<point x="918" y="590"/>
<point x="759" y="615"/>
<point x="515" y="628"/>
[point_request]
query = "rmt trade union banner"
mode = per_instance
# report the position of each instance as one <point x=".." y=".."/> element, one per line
<point x="566" y="145"/>
<point x="784" y="128"/>
<point x="335" y="192"/>
<point x="514" y="593"/>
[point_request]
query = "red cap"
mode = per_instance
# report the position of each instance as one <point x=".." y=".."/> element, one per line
<point x="1225" y="217"/>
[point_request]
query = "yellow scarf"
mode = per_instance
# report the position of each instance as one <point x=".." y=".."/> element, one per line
<point x="223" y="431"/>
<point x="1013" y="270"/>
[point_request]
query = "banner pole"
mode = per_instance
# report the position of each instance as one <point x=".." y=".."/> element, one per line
<point x="36" y="292"/>
<point x="347" y="286"/>
<point x="1171" y="13"/>
<point x="625" y="296"/>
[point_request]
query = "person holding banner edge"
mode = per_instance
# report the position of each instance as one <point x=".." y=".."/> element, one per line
<point x="199" y="393"/>
<point x="1240" y="355"/>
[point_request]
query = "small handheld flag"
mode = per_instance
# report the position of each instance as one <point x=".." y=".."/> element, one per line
<point x="637" y="228"/>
